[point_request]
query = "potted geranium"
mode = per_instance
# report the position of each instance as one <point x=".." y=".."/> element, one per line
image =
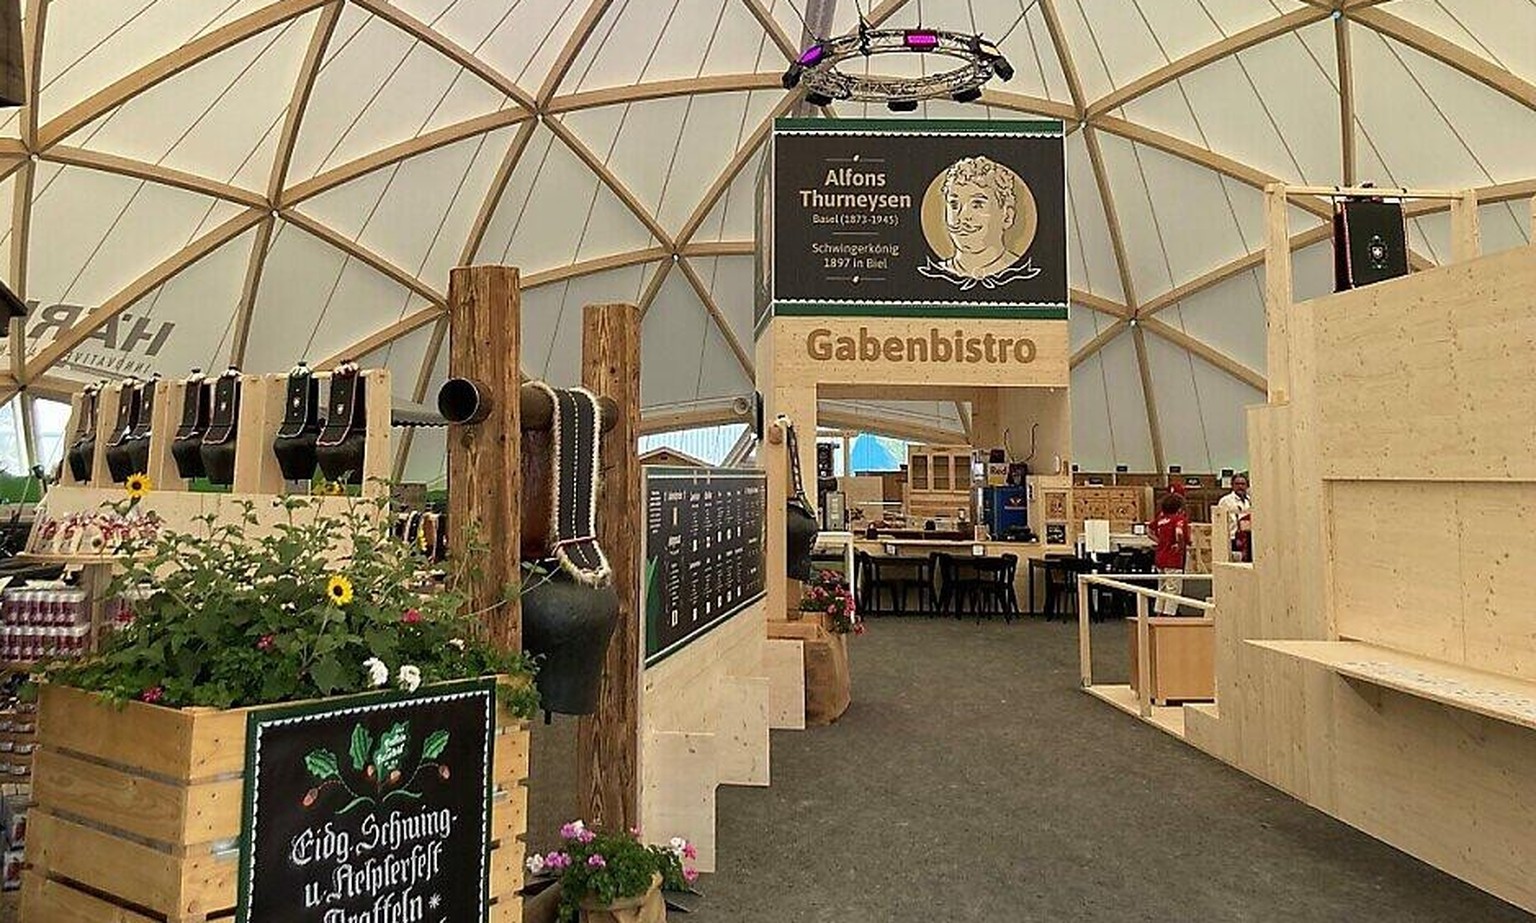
<point x="308" y="599"/>
<point x="828" y="594"/>
<point x="613" y="877"/>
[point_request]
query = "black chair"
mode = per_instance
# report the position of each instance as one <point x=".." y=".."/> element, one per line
<point x="1061" y="573"/>
<point x="992" y="590"/>
<point x="864" y="581"/>
<point x="946" y="575"/>
<point x="913" y="574"/>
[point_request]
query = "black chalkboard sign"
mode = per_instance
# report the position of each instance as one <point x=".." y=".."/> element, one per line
<point x="704" y="551"/>
<point x="372" y="807"/>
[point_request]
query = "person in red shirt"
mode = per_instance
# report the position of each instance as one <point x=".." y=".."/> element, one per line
<point x="1171" y="529"/>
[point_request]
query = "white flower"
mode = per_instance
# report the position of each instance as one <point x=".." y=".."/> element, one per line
<point x="378" y="671"/>
<point x="677" y="844"/>
<point x="456" y="643"/>
<point x="535" y="864"/>
<point x="410" y="678"/>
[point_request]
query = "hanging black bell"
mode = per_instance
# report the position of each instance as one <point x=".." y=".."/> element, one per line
<point x="567" y="625"/>
<point x="119" y="461"/>
<point x="294" y="445"/>
<point x="800" y="526"/>
<point x="82" y="452"/>
<point x="218" y="449"/>
<point x="339" y="447"/>
<point x="137" y="442"/>
<point x="800" y="532"/>
<point x="187" y="444"/>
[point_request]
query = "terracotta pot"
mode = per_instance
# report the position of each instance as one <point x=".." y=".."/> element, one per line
<point x="568" y="625"/>
<point x="642" y="908"/>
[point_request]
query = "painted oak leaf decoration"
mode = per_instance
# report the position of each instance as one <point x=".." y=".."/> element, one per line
<point x="362" y="742"/>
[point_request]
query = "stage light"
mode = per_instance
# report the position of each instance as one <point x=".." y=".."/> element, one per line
<point x="901" y="105"/>
<point x="812" y="56"/>
<point x="792" y="76"/>
<point x="966" y="95"/>
<point x="1003" y="69"/>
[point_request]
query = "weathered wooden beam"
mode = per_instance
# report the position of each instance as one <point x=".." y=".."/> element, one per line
<point x="484" y="474"/>
<point x="608" y="742"/>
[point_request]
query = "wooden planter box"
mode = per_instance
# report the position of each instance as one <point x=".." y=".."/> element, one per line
<point x="137" y="814"/>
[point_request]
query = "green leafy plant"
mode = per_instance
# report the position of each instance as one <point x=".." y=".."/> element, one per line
<point x="322" y="603"/>
<point x="601" y="868"/>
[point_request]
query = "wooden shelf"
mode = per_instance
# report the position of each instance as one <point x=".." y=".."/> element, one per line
<point x="1491" y="695"/>
<point x="40" y="557"/>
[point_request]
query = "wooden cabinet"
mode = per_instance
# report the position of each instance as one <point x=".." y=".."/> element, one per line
<point x="938" y="483"/>
<point x="1122" y="506"/>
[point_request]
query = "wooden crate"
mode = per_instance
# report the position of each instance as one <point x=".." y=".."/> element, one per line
<point x="137" y="815"/>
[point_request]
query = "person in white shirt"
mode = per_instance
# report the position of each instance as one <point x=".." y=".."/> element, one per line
<point x="1236" y="504"/>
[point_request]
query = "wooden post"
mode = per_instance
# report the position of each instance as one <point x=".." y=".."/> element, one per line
<point x="484" y="478"/>
<point x="1466" y="238"/>
<point x="608" y="742"/>
<point x="1277" y="292"/>
<point x="1084" y="636"/>
<point x="1143" y="657"/>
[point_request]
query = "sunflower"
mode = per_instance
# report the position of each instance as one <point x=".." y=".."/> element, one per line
<point x="138" y="485"/>
<point x="338" y="590"/>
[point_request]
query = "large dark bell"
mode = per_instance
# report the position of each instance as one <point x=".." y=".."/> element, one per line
<point x="219" y="462"/>
<point x="120" y="462"/>
<point x="138" y="452"/>
<point x="296" y="455"/>
<point x="82" y="456"/>
<point x="568" y="624"/>
<point x="799" y="540"/>
<point x="343" y="462"/>
<point x="188" y="454"/>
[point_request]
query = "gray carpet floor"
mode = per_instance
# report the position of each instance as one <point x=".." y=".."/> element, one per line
<point x="971" y="780"/>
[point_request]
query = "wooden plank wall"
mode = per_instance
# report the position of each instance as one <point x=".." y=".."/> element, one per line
<point x="1395" y="502"/>
<point x="704" y="723"/>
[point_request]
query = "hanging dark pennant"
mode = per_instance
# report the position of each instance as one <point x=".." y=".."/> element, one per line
<point x="339" y="447"/>
<point x="800" y="527"/>
<point x="119" y="463"/>
<point x="196" y="410"/>
<point x="218" y="449"/>
<point x="82" y="452"/>
<point x="570" y="609"/>
<point x="294" y="445"/>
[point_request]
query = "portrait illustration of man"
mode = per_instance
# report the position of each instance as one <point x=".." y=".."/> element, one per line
<point x="982" y="214"/>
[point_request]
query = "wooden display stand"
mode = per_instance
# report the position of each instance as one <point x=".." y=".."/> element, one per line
<point x="1378" y="658"/>
<point x="827" y="674"/>
<point x="138" y="813"/>
<point x="1181" y="658"/>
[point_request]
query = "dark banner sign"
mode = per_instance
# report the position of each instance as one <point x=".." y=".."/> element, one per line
<point x="916" y="218"/>
<point x="704" y="551"/>
<point x="369" y="809"/>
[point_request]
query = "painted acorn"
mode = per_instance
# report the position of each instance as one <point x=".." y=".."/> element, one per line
<point x="369" y="771"/>
<point x="310" y="797"/>
<point x="443" y="772"/>
<point x="394" y="777"/>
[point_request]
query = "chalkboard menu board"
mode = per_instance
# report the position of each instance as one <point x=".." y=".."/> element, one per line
<point x="369" y="808"/>
<point x="917" y="218"/>
<point x="704" y="551"/>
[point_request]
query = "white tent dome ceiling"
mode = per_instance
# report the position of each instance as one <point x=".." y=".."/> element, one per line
<point x="201" y="181"/>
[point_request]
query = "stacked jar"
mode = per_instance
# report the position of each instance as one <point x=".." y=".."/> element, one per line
<point x="36" y="624"/>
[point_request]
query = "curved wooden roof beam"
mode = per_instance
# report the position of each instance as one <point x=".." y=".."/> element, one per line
<point x="449" y="49"/>
<point x="169" y="65"/>
<point x="1231" y="45"/>
<point x="1447" y="52"/>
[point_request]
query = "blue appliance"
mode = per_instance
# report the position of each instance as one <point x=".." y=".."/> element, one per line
<point x="1004" y="510"/>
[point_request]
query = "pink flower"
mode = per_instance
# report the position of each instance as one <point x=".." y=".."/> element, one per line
<point x="411" y="616"/>
<point x="558" y="861"/>
<point x="153" y="694"/>
<point x="585" y="836"/>
<point x="634" y="832"/>
<point x="689" y="852"/>
<point x="690" y="874"/>
<point x="266" y="643"/>
<point x="832" y="610"/>
<point x="571" y="830"/>
<point x="596" y="861"/>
